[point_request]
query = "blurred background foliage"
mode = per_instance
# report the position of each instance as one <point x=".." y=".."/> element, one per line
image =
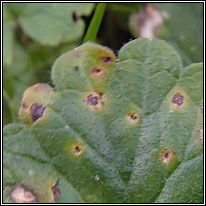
<point x="35" y="34"/>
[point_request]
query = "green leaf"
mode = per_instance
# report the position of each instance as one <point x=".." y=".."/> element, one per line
<point x="8" y="39"/>
<point x="125" y="130"/>
<point x="53" y="23"/>
<point x="182" y="27"/>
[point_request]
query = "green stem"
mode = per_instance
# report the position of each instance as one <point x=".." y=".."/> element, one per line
<point x="95" y="23"/>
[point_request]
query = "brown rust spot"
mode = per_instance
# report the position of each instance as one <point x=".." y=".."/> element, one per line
<point x="36" y="111"/>
<point x="132" y="117"/>
<point x="106" y="60"/>
<point x="56" y="191"/>
<point x="166" y="156"/>
<point x="77" y="149"/>
<point x="20" y="194"/>
<point x="94" y="100"/>
<point x="97" y="71"/>
<point x="178" y="99"/>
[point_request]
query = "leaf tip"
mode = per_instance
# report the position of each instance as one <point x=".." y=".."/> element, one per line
<point x="34" y="102"/>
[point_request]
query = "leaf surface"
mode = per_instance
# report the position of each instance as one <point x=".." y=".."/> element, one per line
<point x="118" y="130"/>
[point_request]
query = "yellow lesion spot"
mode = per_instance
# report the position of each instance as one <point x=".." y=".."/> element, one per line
<point x="97" y="72"/>
<point x="167" y="156"/>
<point x="132" y="117"/>
<point x="77" y="149"/>
<point x="94" y="100"/>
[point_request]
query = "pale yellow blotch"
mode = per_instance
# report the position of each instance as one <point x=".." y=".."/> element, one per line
<point x="22" y="195"/>
<point x="78" y="52"/>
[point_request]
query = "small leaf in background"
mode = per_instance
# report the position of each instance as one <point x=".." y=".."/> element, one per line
<point x="16" y="80"/>
<point x="126" y="131"/>
<point x="180" y="24"/>
<point x="53" y="23"/>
